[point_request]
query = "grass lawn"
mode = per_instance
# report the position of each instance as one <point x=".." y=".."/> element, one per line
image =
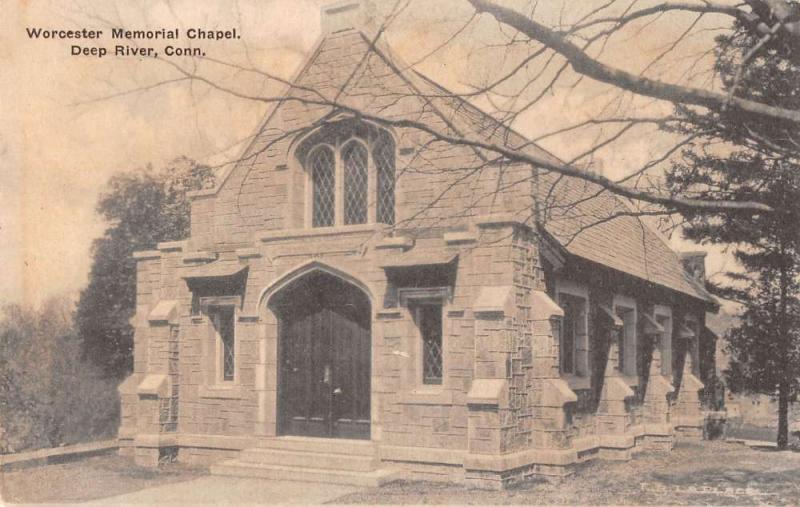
<point x="711" y="473"/>
<point x="87" y="479"/>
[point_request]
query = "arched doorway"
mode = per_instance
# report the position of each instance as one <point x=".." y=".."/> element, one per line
<point x="323" y="357"/>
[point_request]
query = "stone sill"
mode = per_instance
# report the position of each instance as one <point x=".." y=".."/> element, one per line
<point x="320" y="232"/>
<point x="220" y="392"/>
<point x="426" y="397"/>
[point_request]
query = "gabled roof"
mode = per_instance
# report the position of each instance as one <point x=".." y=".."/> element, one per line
<point x="591" y="223"/>
<point x="586" y="220"/>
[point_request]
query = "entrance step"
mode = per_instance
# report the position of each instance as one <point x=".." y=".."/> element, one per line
<point x="322" y="460"/>
<point x="328" y="461"/>
<point x="238" y="468"/>
<point x="319" y="445"/>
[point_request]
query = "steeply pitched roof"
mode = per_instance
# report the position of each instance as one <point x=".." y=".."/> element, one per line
<point x="586" y="220"/>
<point x="596" y="225"/>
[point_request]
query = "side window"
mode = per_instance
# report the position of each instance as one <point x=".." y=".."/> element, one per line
<point x="428" y="318"/>
<point x="222" y="318"/>
<point x="627" y="340"/>
<point x="574" y="335"/>
<point x="569" y="333"/>
<point x="665" y="343"/>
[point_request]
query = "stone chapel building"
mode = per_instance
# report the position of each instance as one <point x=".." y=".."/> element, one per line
<point x="357" y="303"/>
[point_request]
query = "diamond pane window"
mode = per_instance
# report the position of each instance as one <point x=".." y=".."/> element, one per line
<point x="223" y="321"/>
<point x="321" y="162"/>
<point x="429" y="321"/>
<point x="354" y="157"/>
<point x="383" y="154"/>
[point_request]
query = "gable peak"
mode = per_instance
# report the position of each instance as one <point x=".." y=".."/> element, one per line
<point x="348" y="15"/>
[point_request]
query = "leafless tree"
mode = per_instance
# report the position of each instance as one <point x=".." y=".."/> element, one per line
<point x="535" y="53"/>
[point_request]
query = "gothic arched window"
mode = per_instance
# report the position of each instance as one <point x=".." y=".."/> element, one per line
<point x="354" y="158"/>
<point x="383" y="155"/>
<point x="321" y="162"/>
<point x="351" y="168"/>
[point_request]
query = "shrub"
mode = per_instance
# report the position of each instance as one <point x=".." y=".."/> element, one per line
<point x="48" y="395"/>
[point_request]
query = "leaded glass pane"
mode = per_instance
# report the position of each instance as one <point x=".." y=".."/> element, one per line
<point x="383" y="154"/>
<point x="430" y="325"/>
<point x="354" y="157"/>
<point x="322" y="173"/>
<point x="227" y="338"/>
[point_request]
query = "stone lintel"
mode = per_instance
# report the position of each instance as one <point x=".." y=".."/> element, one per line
<point x="171" y="246"/>
<point x="144" y="255"/>
<point x="460" y="237"/>
<point x="402" y="242"/>
<point x="199" y="257"/>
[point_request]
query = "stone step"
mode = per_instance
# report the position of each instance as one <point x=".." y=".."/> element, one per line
<point x="328" y="461"/>
<point x="304" y="474"/>
<point x="320" y="445"/>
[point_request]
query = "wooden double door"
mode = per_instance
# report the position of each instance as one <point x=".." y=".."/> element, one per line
<point x="324" y="349"/>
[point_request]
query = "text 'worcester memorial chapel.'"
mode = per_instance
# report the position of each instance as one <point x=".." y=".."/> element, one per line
<point x="358" y="302"/>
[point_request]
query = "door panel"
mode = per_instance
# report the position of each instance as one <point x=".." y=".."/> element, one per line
<point x="324" y="375"/>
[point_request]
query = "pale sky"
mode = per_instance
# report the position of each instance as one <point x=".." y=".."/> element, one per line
<point x="61" y="138"/>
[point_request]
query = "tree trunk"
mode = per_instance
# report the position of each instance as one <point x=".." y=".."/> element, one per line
<point x="783" y="415"/>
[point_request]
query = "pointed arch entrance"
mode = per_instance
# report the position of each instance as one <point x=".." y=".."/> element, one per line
<point x="324" y="351"/>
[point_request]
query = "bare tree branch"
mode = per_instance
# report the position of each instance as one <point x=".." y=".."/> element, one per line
<point x="587" y="65"/>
